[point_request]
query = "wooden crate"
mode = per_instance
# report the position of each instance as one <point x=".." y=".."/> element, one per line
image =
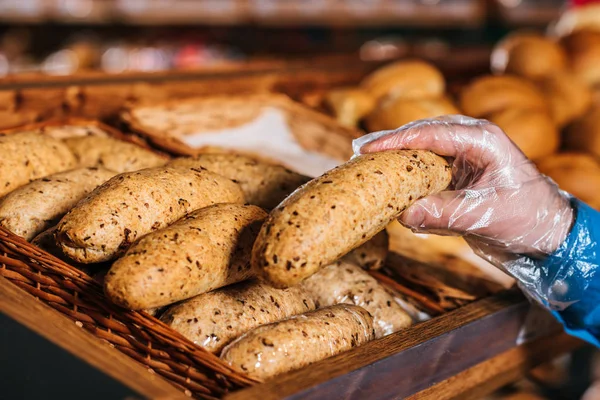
<point x="464" y="353"/>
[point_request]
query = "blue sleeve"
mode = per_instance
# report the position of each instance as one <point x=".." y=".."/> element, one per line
<point x="577" y="262"/>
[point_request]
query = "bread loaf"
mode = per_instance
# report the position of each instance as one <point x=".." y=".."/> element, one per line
<point x="207" y="249"/>
<point x="214" y="319"/>
<point x="489" y="94"/>
<point x="342" y="209"/>
<point x="264" y="184"/>
<point x="35" y="207"/>
<point x="132" y="204"/>
<point x="395" y="113"/>
<point x="576" y="173"/>
<point x="299" y="341"/>
<point x="28" y="156"/>
<point x="412" y="79"/>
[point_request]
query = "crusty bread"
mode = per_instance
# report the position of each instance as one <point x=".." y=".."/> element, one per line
<point x="405" y="79"/>
<point x="489" y="94"/>
<point x="584" y="134"/>
<point x="583" y="49"/>
<point x="533" y="131"/>
<point x="342" y="209"/>
<point x="349" y="105"/>
<point x="529" y="55"/>
<point x="264" y="184"/>
<point x="576" y="173"/>
<point x="398" y="112"/>
<point x="568" y="97"/>
<point x="26" y="156"/>
<point x="132" y="204"/>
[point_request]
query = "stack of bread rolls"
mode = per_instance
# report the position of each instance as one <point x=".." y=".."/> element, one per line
<point x="564" y="73"/>
<point x="393" y="96"/>
<point x="242" y="256"/>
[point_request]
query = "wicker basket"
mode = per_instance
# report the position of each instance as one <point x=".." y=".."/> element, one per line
<point x="77" y="295"/>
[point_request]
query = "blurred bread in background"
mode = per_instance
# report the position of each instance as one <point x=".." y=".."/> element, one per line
<point x="576" y="173"/>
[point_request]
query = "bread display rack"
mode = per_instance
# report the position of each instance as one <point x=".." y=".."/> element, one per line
<point x="466" y="352"/>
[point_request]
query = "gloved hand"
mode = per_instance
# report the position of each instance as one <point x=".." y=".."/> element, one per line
<point x="508" y="212"/>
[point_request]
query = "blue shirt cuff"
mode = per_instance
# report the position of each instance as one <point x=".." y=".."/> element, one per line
<point x="572" y="278"/>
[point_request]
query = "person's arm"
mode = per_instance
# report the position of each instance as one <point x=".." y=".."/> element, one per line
<point x="509" y="213"/>
<point x="580" y="255"/>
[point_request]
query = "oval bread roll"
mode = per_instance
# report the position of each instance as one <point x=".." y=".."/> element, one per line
<point x="28" y="156"/>
<point x="396" y="113"/>
<point x="568" y="97"/>
<point x="490" y="94"/>
<point x="113" y="154"/>
<point x="529" y="55"/>
<point x="341" y="210"/>
<point x="133" y="204"/>
<point x="207" y="249"/>
<point x="214" y="319"/>
<point x="584" y="134"/>
<point x="299" y="341"/>
<point x="576" y="173"/>
<point x="35" y="207"/>
<point x="371" y="254"/>
<point x="346" y="283"/>
<point x="533" y="131"/>
<point x="583" y="50"/>
<point x="349" y="105"/>
<point x="405" y="79"/>
<point x="263" y="184"/>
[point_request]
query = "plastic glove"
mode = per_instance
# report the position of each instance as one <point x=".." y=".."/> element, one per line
<point x="508" y="212"/>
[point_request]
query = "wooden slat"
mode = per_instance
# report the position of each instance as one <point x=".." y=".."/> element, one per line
<point x="55" y="327"/>
<point x="410" y="361"/>
<point x="492" y="374"/>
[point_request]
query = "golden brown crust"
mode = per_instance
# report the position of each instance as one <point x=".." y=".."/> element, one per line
<point x="347" y="283"/>
<point x="529" y="55"/>
<point x="576" y="173"/>
<point x="490" y="94"/>
<point x="299" y="341"/>
<point x="372" y="253"/>
<point x="263" y="184"/>
<point x="214" y="319"/>
<point x="567" y="96"/>
<point x="395" y="113"/>
<point x="342" y="209"/>
<point x="205" y="250"/>
<point x="133" y="204"/>
<point x="113" y="154"/>
<point x="405" y="79"/>
<point x="584" y="134"/>
<point x="583" y="49"/>
<point x="533" y="131"/>
<point x="28" y="156"/>
<point x="35" y="207"/>
<point x="349" y="105"/>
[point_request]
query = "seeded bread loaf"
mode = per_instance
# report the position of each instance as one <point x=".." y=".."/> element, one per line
<point x="207" y="249"/>
<point x="28" y="156"/>
<point x="346" y="283"/>
<point x="263" y="184"/>
<point x="371" y="254"/>
<point x="342" y="209"/>
<point x="132" y="204"/>
<point x="299" y="341"/>
<point x="113" y="154"/>
<point x="35" y="207"/>
<point x="214" y="319"/>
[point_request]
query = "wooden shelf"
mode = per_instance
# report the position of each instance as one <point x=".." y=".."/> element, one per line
<point x="259" y="12"/>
